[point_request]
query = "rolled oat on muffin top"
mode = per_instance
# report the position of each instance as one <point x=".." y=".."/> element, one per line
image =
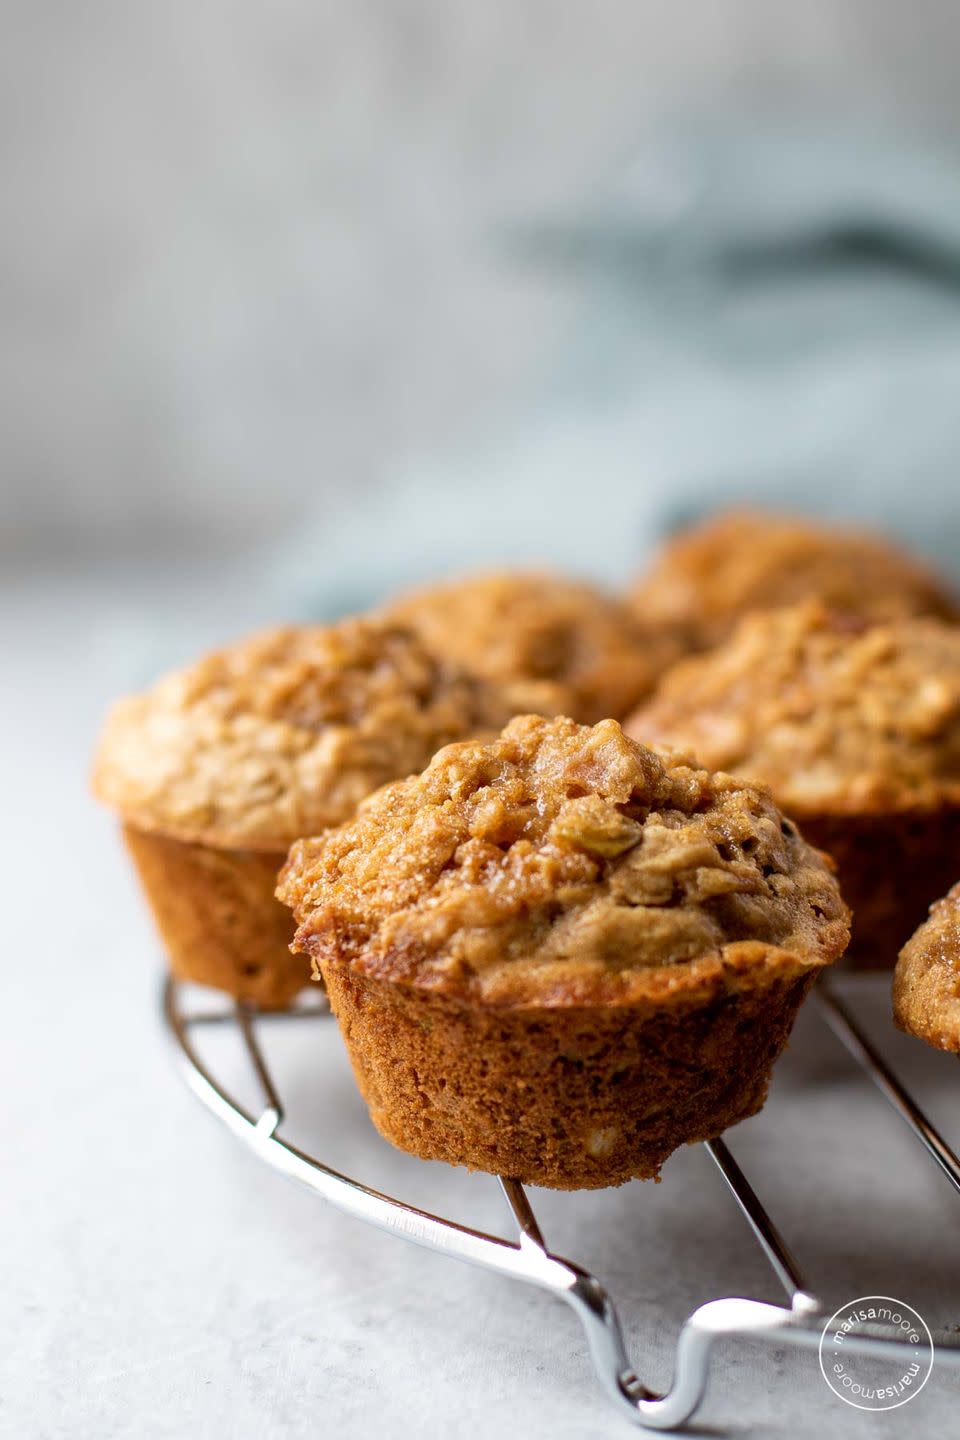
<point x="562" y="865"/>
<point x="707" y="577"/>
<point x="544" y="628"/>
<point x="836" y="715"/>
<point x="284" y="733"/>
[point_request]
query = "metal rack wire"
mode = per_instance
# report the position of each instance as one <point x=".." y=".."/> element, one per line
<point x="799" y="1322"/>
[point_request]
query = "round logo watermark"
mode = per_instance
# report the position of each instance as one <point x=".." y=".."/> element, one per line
<point x="880" y="1382"/>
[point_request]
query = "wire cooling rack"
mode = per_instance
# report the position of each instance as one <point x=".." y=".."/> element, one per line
<point x="799" y="1322"/>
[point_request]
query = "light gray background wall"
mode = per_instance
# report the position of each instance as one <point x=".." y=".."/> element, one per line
<point x="258" y="259"/>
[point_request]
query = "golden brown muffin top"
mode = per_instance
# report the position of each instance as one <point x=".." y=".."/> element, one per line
<point x="565" y="864"/>
<point x="836" y="715"/>
<point x="284" y="733"/>
<point x="540" y="627"/>
<point x="706" y="578"/>
<point x="926" y="983"/>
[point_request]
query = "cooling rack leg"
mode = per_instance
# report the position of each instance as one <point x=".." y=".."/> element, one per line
<point x="528" y="1260"/>
<point x="843" y="1025"/>
<point x="718" y="1318"/>
<point x="272" y="1114"/>
<point x="766" y="1233"/>
<point x="604" y="1336"/>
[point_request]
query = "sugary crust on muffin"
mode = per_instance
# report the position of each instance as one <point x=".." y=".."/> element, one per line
<point x="926" y="982"/>
<point x="545" y="628"/>
<point x="710" y="575"/>
<point x="285" y="733"/>
<point x="836" y="716"/>
<point x="565" y="865"/>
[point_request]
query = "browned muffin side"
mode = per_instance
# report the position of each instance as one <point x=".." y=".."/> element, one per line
<point x="219" y="919"/>
<point x="706" y="578"/>
<point x="559" y="955"/>
<point x="544" y="628"/>
<point x="926" y="982"/>
<point x="856" y="729"/>
<point x="219" y="767"/>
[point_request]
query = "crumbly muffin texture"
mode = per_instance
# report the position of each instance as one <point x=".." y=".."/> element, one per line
<point x="285" y="733"/>
<point x="562" y="864"/>
<point x="543" y="628"/>
<point x="835" y="715"/>
<point x="926" y="982"/>
<point x="705" y="579"/>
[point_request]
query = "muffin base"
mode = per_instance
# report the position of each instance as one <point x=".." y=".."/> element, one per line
<point x="570" y="1098"/>
<point x="891" y="868"/>
<point x="219" y="919"/>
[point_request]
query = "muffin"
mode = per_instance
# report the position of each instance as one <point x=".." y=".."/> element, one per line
<point x="559" y="955"/>
<point x="219" y="767"/>
<point x="926" y="982"/>
<point x="856" y="729"/>
<point x="543" y="628"/>
<point x="709" y="576"/>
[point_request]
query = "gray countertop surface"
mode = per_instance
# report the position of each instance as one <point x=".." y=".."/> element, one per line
<point x="159" y="1281"/>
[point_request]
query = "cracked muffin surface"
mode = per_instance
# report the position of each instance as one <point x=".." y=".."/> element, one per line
<point x="543" y="628"/>
<point x="707" y="577"/>
<point x="837" y="716"/>
<point x="926" y="982"/>
<point x="286" y="732"/>
<point x="563" y="864"/>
